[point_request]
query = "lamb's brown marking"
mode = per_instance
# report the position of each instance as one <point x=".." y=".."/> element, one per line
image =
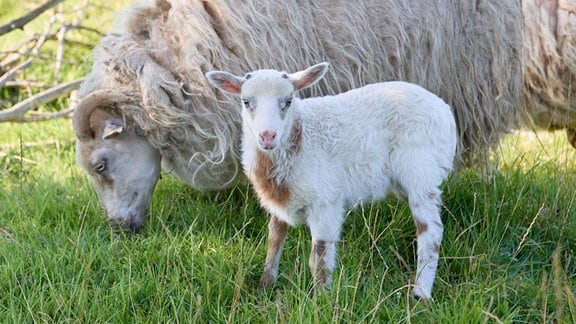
<point x="277" y="231"/>
<point x="319" y="248"/>
<point x="268" y="187"/>
<point x="296" y="136"/>
<point x="317" y="262"/>
<point x="421" y="228"/>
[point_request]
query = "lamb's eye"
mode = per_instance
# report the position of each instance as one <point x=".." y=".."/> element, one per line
<point x="249" y="104"/>
<point x="284" y="105"/>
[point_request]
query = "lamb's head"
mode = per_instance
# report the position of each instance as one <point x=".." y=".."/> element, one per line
<point x="267" y="99"/>
<point x="123" y="165"/>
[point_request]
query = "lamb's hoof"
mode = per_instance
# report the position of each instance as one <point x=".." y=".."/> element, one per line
<point x="266" y="281"/>
<point x="418" y="300"/>
<point x="319" y="288"/>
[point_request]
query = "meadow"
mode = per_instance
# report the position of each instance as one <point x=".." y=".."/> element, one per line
<point x="508" y="253"/>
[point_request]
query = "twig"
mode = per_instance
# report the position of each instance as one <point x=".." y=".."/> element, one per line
<point x="44" y="36"/>
<point x="31" y="43"/>
<point x="12" y="72"/>
<point x="45" y="116"/>
<point x="543" y="209"/>
<point x="60" y="51"/>
<point x="18" y="111"/>
<point x="22" y="21"/>
<point x="51" y="142"/>
<point x="18" y="158"/>
<point x="25" y="84"/>
<point x="90" y="29"/>
<point x="9" y="61"/>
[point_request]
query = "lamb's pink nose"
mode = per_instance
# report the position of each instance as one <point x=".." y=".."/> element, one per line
<point x="267" y="139"/>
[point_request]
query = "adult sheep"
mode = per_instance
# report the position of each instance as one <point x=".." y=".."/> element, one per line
<point x="500" y="64"/>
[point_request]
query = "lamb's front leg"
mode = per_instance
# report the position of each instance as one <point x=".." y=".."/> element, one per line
<point x="325" y="226"/>
<point x="277" y="231"/>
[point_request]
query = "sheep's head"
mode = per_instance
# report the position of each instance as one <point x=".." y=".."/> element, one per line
<point x="123" y="165"/>
<point x="267" y="96"/>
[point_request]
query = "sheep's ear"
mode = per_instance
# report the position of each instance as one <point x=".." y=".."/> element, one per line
<point x="225" y="81"/>
<point x="308" y="77"/>
<point x="112" y="128"/>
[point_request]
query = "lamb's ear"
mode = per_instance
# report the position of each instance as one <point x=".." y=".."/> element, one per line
<point x="308" y="77"/>
<point x="225" y="81"/>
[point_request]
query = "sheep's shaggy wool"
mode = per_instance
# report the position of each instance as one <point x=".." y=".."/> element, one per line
<point x="473" y="54"/>
<point x="550" y="64"/>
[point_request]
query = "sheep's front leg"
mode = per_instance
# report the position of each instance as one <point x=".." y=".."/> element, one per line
<point x="429" y="229"/>
<point x="571" y="132"/>
<point x="277" y="231"/>
<point x="325" y="226"/>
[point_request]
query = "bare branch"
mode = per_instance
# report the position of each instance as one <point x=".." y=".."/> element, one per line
<point x="22" y="21"/>
<point x="90" y="29"/>
<point x="18" y="158"/>
<point x="44" y="36"/>
<point x="60" y="51"/>
<point x="12" y="72"/>
<point x="11" y="146"/>
<point x="25" y="84"/>
<point x="9" y="61"/>
<point x="48" y="116"/>
<point x="18" y="111"/>
<point x="35" y="93"/>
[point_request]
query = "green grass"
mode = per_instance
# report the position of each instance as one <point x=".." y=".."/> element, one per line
<point x="508" y="253"/>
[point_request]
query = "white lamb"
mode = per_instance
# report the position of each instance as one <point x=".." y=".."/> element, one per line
<point x="310" y="160"/>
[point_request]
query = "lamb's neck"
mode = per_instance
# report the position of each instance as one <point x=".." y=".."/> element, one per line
<point x="270" y="171"/>
<point x="278" y="162"/>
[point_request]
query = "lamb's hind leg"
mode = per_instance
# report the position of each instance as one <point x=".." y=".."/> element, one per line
<point x="429" y="228"/>
<point x="277" y="231"/>
<point x="325" y="226"/>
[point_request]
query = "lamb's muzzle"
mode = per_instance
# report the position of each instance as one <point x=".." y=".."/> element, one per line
<point x="267" y="138"/>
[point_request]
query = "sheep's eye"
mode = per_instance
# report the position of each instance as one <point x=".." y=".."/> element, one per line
<point x="100" y="167"/>
<point x="288" y="103"/>
<point x="246" y="102"/>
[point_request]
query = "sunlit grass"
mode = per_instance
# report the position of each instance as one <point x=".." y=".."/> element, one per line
<point x="507" y="255"/>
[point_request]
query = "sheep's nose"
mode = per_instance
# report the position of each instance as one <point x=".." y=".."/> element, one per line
<point x="267" y="139"/>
